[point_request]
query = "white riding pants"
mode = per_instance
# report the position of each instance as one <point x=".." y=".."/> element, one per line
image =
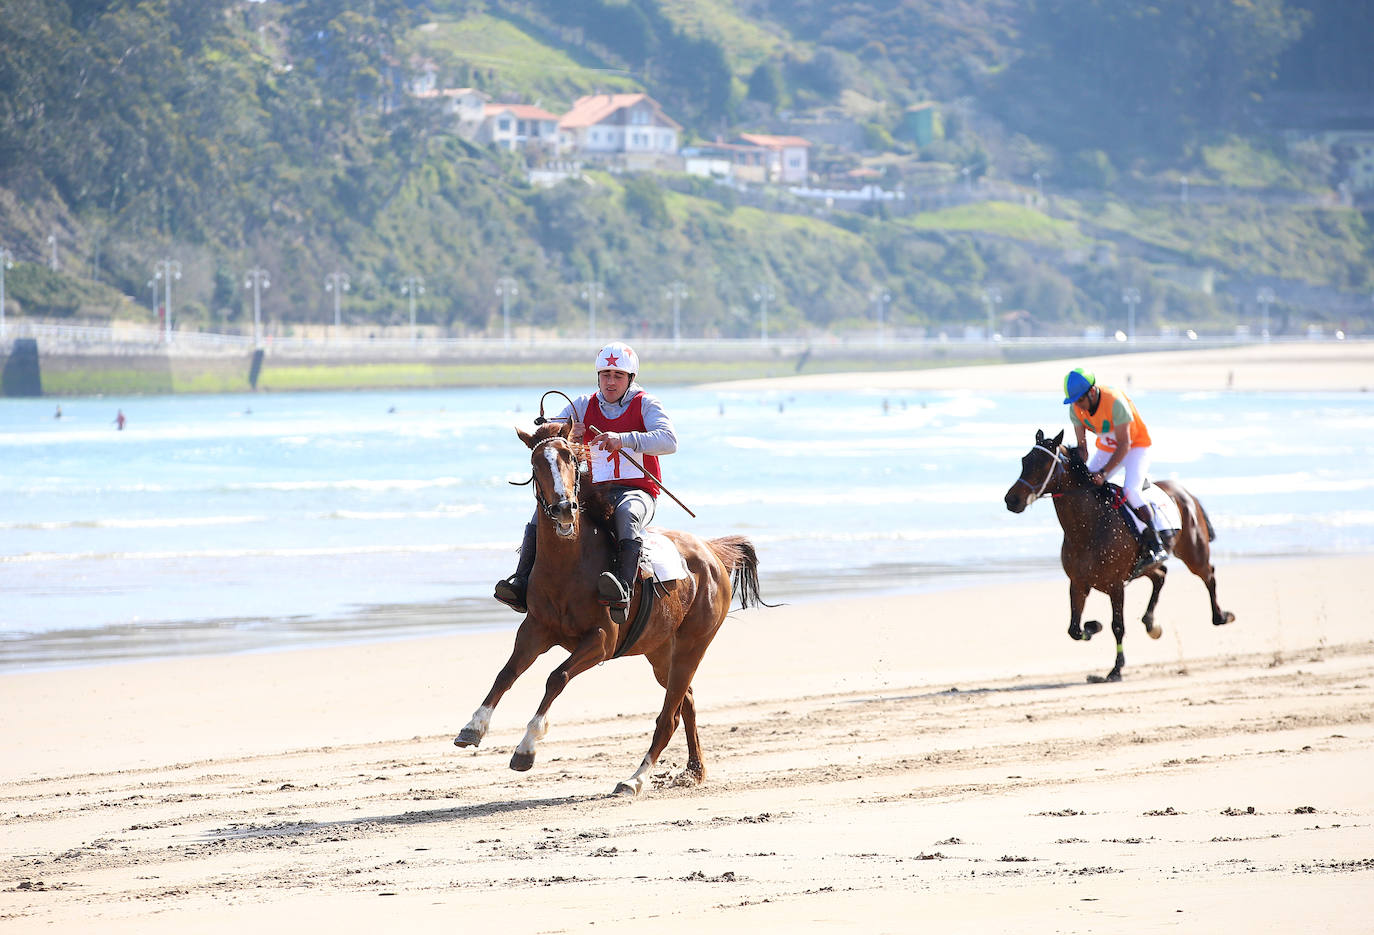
<point x="1135" y="464"/>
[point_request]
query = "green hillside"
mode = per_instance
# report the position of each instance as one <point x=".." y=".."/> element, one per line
<point x="231" y="135"/>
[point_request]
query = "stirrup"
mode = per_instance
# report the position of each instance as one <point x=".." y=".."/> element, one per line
<point x="512" y="592"/>
<point x="613" y="595"/>
<point x="1145" y="560"/>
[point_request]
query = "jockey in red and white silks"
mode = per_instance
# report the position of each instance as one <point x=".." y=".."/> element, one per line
<point x="619" y="416"/>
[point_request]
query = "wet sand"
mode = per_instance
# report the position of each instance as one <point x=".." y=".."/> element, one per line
<point x="870" y="761"/>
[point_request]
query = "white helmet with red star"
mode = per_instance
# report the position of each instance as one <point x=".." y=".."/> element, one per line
<point x="617" y="356"/>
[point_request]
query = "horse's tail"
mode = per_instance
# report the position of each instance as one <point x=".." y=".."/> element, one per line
<point x="1211" y="530"/>
<point x="737" y="554"/>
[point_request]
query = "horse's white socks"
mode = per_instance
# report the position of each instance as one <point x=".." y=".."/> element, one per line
<point x="534" y="733"/>
<point x="481" y="720"/>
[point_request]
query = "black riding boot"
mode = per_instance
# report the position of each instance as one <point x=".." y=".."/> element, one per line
<point x="511" y="591"/>
<point x="1151" y="551"/>
<point x="616" y="587"/>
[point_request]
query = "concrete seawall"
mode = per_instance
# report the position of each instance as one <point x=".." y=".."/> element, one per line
<point x="55" y="367"/>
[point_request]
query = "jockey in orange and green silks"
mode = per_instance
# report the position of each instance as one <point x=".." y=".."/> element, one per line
<point x="1123" y="441"/>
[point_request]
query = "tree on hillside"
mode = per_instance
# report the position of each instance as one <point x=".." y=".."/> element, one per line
<point x="1143" y="77"/>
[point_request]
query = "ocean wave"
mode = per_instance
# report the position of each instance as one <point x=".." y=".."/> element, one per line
<point x="167" y="522"/>
<point x="153" y="555"/>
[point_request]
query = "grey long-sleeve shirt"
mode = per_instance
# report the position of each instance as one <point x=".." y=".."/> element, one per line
<point x="658" y="437"/>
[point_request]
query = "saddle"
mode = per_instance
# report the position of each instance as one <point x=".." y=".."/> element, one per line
<point x="659" y="561"/>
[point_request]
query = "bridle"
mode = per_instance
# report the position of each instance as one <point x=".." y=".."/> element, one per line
<point x="551" y="510"/>
<point x="1058" y="458"/>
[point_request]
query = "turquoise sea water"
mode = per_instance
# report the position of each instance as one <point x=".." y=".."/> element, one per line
<point x="237" y="522"/>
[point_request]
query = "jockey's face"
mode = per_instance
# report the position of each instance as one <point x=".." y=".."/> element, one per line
<point x="613" y="384"/>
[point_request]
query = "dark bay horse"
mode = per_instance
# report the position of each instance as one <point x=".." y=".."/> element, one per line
<point x="1099" y="549"/>
<point x="571" y="550"/>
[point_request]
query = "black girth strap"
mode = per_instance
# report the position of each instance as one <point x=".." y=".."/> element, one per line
<point x="647" y="599"/>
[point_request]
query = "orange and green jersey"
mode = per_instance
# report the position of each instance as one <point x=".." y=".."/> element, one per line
<point x="1113" y="408"/>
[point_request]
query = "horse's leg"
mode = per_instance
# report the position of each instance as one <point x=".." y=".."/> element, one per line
<point x="682" y="668"/>
<point x="591" y="650"/>
<point x="1198" y="558"/>
<point x="1118" y="598"/>
<point x="694" y="773"/>
<point x="1156" y="576"/>
<point x="1194" y="547"/>
<point x="1078" y="597"/>
<point x="531" y="641"/>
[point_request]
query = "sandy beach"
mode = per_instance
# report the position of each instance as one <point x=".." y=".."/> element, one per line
<point x="1316" y="366"/>
<point x="933" y="761"/>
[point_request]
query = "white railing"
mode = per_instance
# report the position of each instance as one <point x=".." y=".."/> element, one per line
<point x="146" y="339"/>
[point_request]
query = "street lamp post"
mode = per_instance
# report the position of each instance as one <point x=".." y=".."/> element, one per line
<point x="337" y="283"/>
<point x="413" y="286"/>
<point x="1131" y="296"/>
<point x="1183" y="189"/>
<point x="880" y="297"/>
<point x="675" y="292"/>
<point x="52" y="240"/>
<point x="1039" y="189"/>
<point x="593" y="292"/>
<point x="1265" y="297"/>
<point x="6" y="262"/>
<point x="256" y="279"/>
<point x="764" y="294"/>
<point x="992" y="297"/>
<point x="507" y="289"/>
<point x="167" y="270"/>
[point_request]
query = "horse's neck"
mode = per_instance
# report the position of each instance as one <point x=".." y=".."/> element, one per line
<point x="564" y="555"/>
<point x="1074" y="505"/>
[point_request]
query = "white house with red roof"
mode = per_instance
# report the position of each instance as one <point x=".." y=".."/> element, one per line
<point x="518" y="126"/>
<point x="787" y="159"/>
<point x="619" y="125"/>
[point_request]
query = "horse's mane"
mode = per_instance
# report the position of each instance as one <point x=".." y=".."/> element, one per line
<point x="1078" y="467"/>
<point x="1078" y="470"/>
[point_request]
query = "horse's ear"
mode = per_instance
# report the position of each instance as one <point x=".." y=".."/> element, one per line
<point x="1059" y="439"/>
<point x="1039" y="437"/>
<point x="525" y="437"/>
<point x="566" y="430"/>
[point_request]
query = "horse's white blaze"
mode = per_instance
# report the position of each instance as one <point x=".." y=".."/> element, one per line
<point x="481" y="720"/>
<point x="534" y="733"/>
<point x="559" y="489"/>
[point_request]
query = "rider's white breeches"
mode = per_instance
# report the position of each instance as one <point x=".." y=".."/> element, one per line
<point x="1135" y="464"/>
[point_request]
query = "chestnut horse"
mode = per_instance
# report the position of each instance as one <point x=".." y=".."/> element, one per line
<point x="572" y="549"/>
<point x="1099" y="549"/>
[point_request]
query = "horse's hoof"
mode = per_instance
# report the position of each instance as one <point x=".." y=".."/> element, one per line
<point x="467" y="737"/>
<point x="1226" y="618"/>
<point x="1155" y="632"/>
<point x="1075" y="632"/>
<point x="625" y="788"/>
<point x="521" y="762"/>
<point x="1091" y="629"/>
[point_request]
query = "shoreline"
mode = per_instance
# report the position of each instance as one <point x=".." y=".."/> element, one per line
<point x="136" y="643"/>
